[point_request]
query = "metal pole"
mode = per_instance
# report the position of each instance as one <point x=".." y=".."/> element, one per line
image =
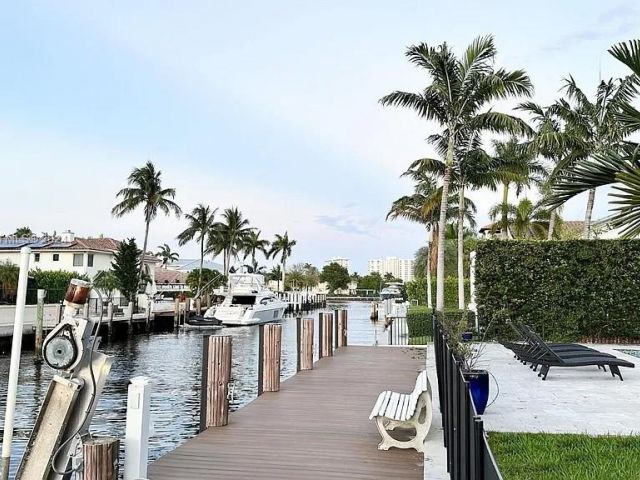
<point x="16" y="347"/>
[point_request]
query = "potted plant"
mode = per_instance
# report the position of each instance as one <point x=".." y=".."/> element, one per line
<point x="469" y="354"/>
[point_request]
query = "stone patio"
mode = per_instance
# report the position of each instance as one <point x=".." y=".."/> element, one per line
<point x="571" y="400"/>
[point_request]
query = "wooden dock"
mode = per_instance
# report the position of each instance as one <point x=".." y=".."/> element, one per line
<point x="315" y="427"/>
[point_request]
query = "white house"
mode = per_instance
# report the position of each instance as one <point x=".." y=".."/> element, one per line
<point x="86" y="256"/>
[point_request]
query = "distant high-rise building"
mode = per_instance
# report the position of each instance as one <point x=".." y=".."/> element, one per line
<point x="343" y="262"/>
<point x="398" y="267"/>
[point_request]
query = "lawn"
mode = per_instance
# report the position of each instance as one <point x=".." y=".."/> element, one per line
<point x="543" y="456"/>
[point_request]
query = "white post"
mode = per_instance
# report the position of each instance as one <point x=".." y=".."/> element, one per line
<point x="136" y="441"/>
<point x="16" y="347"/>
<point x="472" y="285"/>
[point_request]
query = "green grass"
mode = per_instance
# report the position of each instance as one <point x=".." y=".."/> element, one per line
<point x="420" y="340"/>
<point x="543" y="456"/>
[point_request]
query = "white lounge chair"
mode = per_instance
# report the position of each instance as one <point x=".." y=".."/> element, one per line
<point x="398" y="410"/>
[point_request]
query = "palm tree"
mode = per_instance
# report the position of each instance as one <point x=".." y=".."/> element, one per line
<point x="166" y="254"/>
<point x="228" y="237"/>
<point x="525" y="220"/>
<point x="145" y="188"/>
<point x="201" y="221"/>
<point x="282" y="245"/>
<point x="619" y="167"/>
<point x="22" y="232"/>
<point x="253" y="244"/>
<point x="423" y="206"/>
<point x="517" y="165"/>
<point x="275" y="274"/>
<point x="459" y="99"/>
<point x="595" y="124"/>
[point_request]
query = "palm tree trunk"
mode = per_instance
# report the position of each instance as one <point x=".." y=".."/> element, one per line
<point x="504" y="228"/>
<point x="433" y="251"/>
<point x="552" y="224"/>
<point x="284" y="269"/>
<point x="428" y="273"/>
<point x="201" y="262"/>
<point x="461" y="246"/>
<point x="587" y="217"/>
<point x="144" y="251"/>
<point x="442" y="225"/>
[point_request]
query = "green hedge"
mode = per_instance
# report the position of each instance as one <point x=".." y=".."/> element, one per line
<point x="419" y="322"/>
<point x="417" y="290"/>
<point x="566" y="290"/>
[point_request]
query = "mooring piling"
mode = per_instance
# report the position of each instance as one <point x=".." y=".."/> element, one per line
<point x="100" y="457"/>
<point x="39" y="325"/>
<point x="216" y="375"/>
<point x="269" y="356"/>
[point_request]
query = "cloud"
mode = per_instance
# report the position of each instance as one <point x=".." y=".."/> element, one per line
<point x="615" y="21"/>
<point x="346" y="223"/>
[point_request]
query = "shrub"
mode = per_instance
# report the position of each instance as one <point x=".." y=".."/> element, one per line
<point x="55" y="282"/>
<point x="565" y="290"/>
<point x="419" y="321"/>
<point x="417" y="290"/>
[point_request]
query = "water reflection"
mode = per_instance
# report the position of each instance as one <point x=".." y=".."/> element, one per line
<point x="173" y="361"/>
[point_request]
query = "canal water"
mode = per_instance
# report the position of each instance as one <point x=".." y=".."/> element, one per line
<point x="173" y="361"/>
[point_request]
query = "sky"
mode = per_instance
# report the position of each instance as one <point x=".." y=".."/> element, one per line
<point x="268" y="106"/>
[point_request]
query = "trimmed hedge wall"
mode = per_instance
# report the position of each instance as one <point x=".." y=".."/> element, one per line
<point x="565" y="290"/>
<point x="417" y="290"/>
<point x="419" y="320"/>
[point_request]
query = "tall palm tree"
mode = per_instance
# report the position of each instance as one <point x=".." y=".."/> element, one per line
<point x="595" y="123"/>
<point x="201" y="221"/>
<point x="254" y="244"/>
<point x="228" y="237"/>
<point x="166" y="254"/>
<point x="282" y="245"/>
<point x="145" y="188"/>
<point x="519" y="166"/>
<point x="275" y="274"/>
<point x="458" y="99"/>
<point x="620" y="168"/>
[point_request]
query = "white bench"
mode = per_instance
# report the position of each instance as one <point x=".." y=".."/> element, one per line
<point x="398" y="410"/>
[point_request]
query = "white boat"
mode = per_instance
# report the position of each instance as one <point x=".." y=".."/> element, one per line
<point x="391" y="290"/>
<point x="249" y="302"/>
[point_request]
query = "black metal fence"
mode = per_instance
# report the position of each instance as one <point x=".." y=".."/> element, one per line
<point x="468" y="454"/>
<point x="397" y="331"/>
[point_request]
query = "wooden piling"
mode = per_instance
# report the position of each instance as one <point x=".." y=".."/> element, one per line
<point x="39" y="324"/>
<point x="216" y="375"/>
<point x="305" y="344"/>
<point x="326" y="331"/>
<point x="187" y="309"/>
<point x="176" y="313"/>
<point x="110" y="319"/>
<point x="335" y="328"/>
<point x="130" y="309"/>
<point x="342" y="328"/>
<point x="320" y="330"/>
<point x="100" y="456"/>
<point x="270" y="346"/>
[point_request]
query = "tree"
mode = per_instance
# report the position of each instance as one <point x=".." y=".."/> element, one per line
<point x="23" y="232"/>
<point x="295" y="277"/>
<point x="126" y="268"/>
<point x="311" y="276"/>
<point x="525" y="220"/>
<point x="107" y="282"/>
<point x="335" y="276"/>
<point x="9" y="274"/>
<point x="166" y="254"/>
<point x="621" y="168"/>
<point x="459" y="98"/>
<point x="205" y="281"/>
<point x="282" y="245"/>
<point x="228" y="237"/>
<point x="372" y="281"/>
<point x="201" y="221"/>
<point x="595" y="124"/>
<point x="517" y="165"/>
<point x="275" y="275"/>
<point x="254" y="244"/>
<point x="145" y="189"/>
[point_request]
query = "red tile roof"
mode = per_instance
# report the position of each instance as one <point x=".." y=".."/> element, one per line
<point x="170" y="276"/>
<point x="104" y="244"/>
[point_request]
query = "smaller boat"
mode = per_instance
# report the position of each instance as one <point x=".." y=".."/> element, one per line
<point x="206" y="321"/>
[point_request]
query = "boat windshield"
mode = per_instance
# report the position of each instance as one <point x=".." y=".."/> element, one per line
<point x="243" y="300"/>
<point x="246" y="282"/>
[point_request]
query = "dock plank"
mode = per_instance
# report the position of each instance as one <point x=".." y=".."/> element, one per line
<point x="315" y="427"/>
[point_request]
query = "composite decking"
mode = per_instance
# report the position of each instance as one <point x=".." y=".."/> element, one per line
<point x="315" y="427"/>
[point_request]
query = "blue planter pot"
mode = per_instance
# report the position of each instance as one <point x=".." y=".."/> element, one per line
<point x="479" y="387"/>
<point x="467" y="336"/>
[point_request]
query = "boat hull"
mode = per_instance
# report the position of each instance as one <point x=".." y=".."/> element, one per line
<point x="236" y="318"/>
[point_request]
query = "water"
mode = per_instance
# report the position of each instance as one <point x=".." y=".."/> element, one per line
<point x="634" y="353"/>
<point x="173" y="361"/>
